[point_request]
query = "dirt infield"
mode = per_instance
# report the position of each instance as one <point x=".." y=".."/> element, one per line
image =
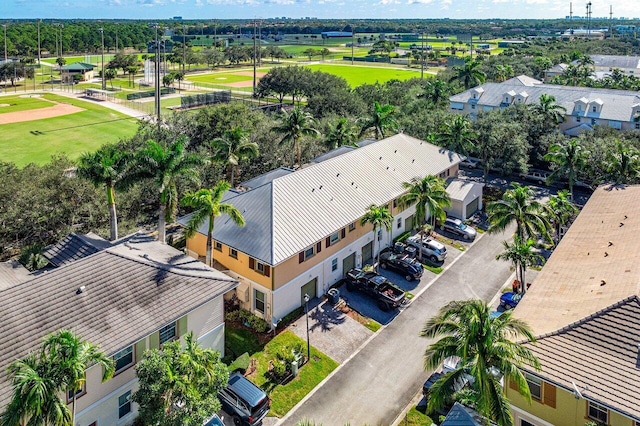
<point x="238" y="84"/>
<point x="250" y="73"/>
<point x="38" y="114"/>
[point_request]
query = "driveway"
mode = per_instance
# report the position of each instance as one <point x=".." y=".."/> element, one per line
<point x="375" y="385"/>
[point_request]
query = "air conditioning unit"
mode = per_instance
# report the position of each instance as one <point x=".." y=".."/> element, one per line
<point x="242" y="291"/>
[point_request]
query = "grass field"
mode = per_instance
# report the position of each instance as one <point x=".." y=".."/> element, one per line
<point x="357" y="75"/>
<point x="73" y="134"/>
<point x="18" y="103"/>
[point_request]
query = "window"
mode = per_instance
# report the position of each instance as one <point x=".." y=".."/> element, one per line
<point x="506" y="100"/>
<point x="123" y="359"/>
<point x="259" y="297"/>
<point x="379" y="234"/>
<point x="399" y="223"/>
<point x="308" y="253"/>
<point x="535" y="386"/>
<point x="334" y="238"/>
<point x="233" y="253"/>
<point x="80" y="392"/>
<point x="598" y="412"/>
<point x="594" y="109"/>
<point x="352" y="225"/>
<point x="473" y="106"/>
<point x="525" y="423"/>
<point x="637" y="126"/>
<point x="124" y="404"/>
<point x="217" y="246"/>
<point x="260" y="267"/>
<point x="167" y="333"/>
<point x="334" y="265"/>
<point x="578" y="119"/>
<point x="594" y="121"/>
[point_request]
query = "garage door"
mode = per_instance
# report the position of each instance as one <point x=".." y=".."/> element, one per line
<point x="471" y="208"/>
<point x="367" y="253"/>
<point x="348" y="263"/>
<point x="310" y="289"/>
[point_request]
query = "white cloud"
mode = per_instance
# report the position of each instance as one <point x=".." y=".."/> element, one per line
<point x="419" y="1"/>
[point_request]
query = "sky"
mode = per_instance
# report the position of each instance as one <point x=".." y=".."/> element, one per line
<point x="326" y="9"/>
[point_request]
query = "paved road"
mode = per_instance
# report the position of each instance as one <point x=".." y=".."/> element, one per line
<point x="376" y="384"/>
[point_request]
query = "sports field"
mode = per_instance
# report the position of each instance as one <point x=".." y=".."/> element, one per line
<point x="61" y="125"/>
<point x="357" y="74"/>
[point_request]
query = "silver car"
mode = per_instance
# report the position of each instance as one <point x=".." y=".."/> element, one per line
<point x="457" y="227"/>
<point x="433" y="250"/>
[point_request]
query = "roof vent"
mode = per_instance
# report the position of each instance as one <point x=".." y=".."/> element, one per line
<point x="395" y="152"/>
<point x="80" y="289"/>
<point x="380" y="158"/>
<point x="338" y="175"/>
<point x="602" y="282"/>
<point x="320" y="187"/>
<point x="313" y="189"/>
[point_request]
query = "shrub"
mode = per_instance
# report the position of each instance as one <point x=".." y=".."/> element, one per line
<point x="248" y="319"/>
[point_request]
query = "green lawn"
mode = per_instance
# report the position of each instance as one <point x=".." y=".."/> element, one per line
<point x="224" y="76"/>
<point x="73" y="134"/>
<point x="416" y="418"/>
<point x="18" y="103"/>
<point x="357" y="75"/>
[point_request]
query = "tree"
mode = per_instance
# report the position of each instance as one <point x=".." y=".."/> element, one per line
<point x="429" y="194"/>
<point x="294" y="126"/>
<point x="521" y="255"/>
<point x="208" y="205"/>
<point x="179" y="386"/>
<point x="107" y="166"/>
<point x="167" y="80"/>
<point x="560" y="210"/>
<point x="324" y="52"/>
<point x="456" y="135"/>
<point x="310" y="52"/>
<point x="381" y="120"/>
<point x="518" y="205"/>
<point x="435" y="91"/>
<point x="503" y="72"/>
<point x="341" y="132"/>
<point x="486" y="350"/>
<point x="61" y="61"/>
<point x="109" y="75"/>
<point x="570" y="159"/>
<point x="548" y="108"/>
<point x="623" y="163"/>
<point x="379" y="217"/>
<point x="164" y="165"/>
<point x="233" y="147"/>
<point x="469" y="75"/>
<point x="178" y="77"/>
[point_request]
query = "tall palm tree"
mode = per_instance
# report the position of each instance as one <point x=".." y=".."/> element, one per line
<point x="470" y="74"/>
<point x="208" y="204"/>
<point x="340" y="133"/>
<point x="503" y="72"/>
<point x="379" y="217"/>
<point x="518" y="205"/>
<point x="233" y="147"/>
<point x="623" y="163"/>
<point x="165" y="165"/>
<point x="107" y="166"/>
<point x="570" y="158"/>
<point x="435" y="91"/>
<point x="293" y="127"/>
<point x="548" y="108"/>
<point x="456" y="135"/>
<point x="429" y="194"/>
<point x="381" y="120"/>
<point x="521" y="255"/>
<point x="560" y="209"/>
<point x="486" y="350"/>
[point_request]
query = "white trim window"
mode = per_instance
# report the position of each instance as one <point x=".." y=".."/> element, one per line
<point x="598" y="412"/>
<point x="259" y="300"/>
<point x="124" y="404"/>
<point x="168" y="333"/>
<point x="334" y="238"/>
<point x="535" y="386"/>
<point x="123" y="359"/>
<point x="334" y="264"/>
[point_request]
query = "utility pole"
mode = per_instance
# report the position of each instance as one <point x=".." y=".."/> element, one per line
<point x="184" y="48"/>
<point x="215" y="34"/>
<point x="104" y="76"/>
<point x="611" y="21"/>
<point x="39" y="21"/>
<point x="5" y="41"/>
<point x="156" y="78"/>
<point x="61" y="28"/>
<point x="116" y="38"/>
<point x="588" y="20"/>
<point x="353" y="42"/>
<point x="422" y="57"/>
<point x="260" y="43"/>
<point x="254" y="58"/>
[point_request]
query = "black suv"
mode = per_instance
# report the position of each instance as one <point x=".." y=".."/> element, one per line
<point x="246" y="403"/>
<point x="401" y="263"/>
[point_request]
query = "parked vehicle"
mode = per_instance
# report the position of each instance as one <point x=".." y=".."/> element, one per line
<point x="388" y="295"/>
<point x="246" y="403"/>
<point x="433" y="250"/>
<point x="401" y="263"/>
<point x="470" y="162"/>
<point x="510" y="300"/>
<point x="457" y="227"/>
<point x="537" y="176"/>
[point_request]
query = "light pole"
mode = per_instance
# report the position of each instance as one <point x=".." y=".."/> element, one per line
<point x="39" y="21"/>
<point x="215" y="34"/>
<point x="254" y="58"/>
<point x="184" y="48"/>
<point x="157" y="76"/>
<point x="116" y="24"/>
<point x="5" y="41"/>
<point x="104" y="81"/>
<point x="306" y="313"/>
<point x="353" y="42"/>
<point x="61" y="28"/>
<point x="422" y="57"/>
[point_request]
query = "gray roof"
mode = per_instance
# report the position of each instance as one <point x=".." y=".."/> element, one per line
<point x="266" y="177"/>
<point x="599" y="354"/>
<point x="614" y="61"/>
<point x="296" y="210"/>
<point x="12" y="272"/>
<point x="459" y="415"/>
<point x="333" y="153"/>
<point x="130" y="291"/>
<point x="458" y="189"/>
<point x="74" y="247"/>
<point x="616" y="104"/>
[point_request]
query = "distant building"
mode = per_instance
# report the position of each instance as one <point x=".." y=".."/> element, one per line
<point x="603" y="65"/>
<point x="330" y="34"/>
<point x="595" y="34"/>
<point x="626" y="30"/>
<point x="177" y="18"/>
<point x="84" y="70"/>
<point x="509" y="43"/>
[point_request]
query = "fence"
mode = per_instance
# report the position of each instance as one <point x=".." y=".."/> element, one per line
<point x="150" y="93"/>
<point x="202" y="99"/>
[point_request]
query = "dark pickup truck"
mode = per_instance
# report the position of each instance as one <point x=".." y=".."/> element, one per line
<point x="388" y="295"/>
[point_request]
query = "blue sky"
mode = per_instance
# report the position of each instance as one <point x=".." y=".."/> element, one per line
<point x="224" y="9"/>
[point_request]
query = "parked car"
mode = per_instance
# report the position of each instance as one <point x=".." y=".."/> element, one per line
<point x="537" y="176"/>
<point x="510" y="300"/>
<point x="470" y="162"/>
<point x="401" y="263"/>
<point x="246" y="403"/>
<point x="384" y="291"/>
<point x="433" y="250"/>
<point x="457" y="227"/>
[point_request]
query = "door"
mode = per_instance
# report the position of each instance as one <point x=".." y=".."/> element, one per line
<point x="471" y="208"/>
<point x="408" y="223"/>
<point x="310" y="289"/>
<point x="348" y="263"/>
<point x="367" y="253"/>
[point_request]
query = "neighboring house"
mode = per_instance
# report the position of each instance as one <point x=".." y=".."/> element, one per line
<point x="603" y="65"/>
<point x="303" y="229"/>
<point x="585" y="107"/>
<point x="67" y="72"/>
<point x="466" y="198"/>
<point x="584" y="306"/>
<point x="459" y="415"/>
<point x="130" y="296"/>
<point x="555" y="71"/>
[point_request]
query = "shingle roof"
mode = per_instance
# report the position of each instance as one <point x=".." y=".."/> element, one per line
<point x="130" y="291"/>
<point x="74" y="247"/>
<point x="599" y="354"/>
<point x="294" y="211"/>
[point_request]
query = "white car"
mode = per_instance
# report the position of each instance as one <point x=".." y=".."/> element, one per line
<point x="433" y="250"/>
<point x="470" y="162"/>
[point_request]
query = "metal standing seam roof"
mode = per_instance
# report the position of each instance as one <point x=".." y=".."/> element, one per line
<point x="294" y="211"/>
<point x="78" y="66"/>
<point x="599" y="354"/>
<point x="617" y="105"/>
<point x="458" y="189"/>
<point x="130" y="291"/>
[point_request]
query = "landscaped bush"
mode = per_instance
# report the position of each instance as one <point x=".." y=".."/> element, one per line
<point x="402" y="237"/>
<point x="248" y="319"/>
<point x="291" y="317"/>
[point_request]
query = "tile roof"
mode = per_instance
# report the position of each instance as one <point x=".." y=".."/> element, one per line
<point x="130" y="291"/>
<point x="599" y="354"/>
<point x="12" y="272"/>
<point x="594" y="266"/>
<point x="74" y="247"/>
<point x="294" y="211"/>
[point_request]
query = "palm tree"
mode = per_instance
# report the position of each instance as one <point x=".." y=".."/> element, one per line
<point x="207" y="204"/>
<point x="381" y="120"/>
<point x="340" y="133"/>
<point x="518" y="205"/>
<point x="570" y="159"/>
<point x="107" y="166"/>
<point x="178" y="77"/>
<point x="486" y="351"/>
<point x="521" y="255"/>
<point x="469" y="75"/>
<point x="435" y="91"/>
<point x="164" y="166"/>
<point x="560" y="209"/>
<point x="548" y="108"/>
<point x="378" y="216"/>
<point x="233" y="147"/>
<point x="503" y="72"/>
<point x="293" y="126"/>
<point x="623" y="163"/>
<point x="429" y="194"/>
<point x="456" y="135"/>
